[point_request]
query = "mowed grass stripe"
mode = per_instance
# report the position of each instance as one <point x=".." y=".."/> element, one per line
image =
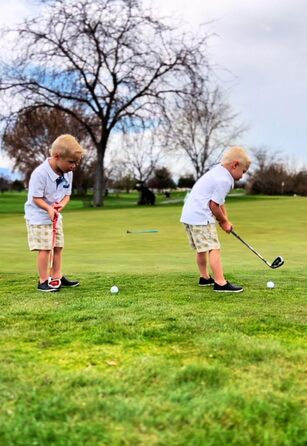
<point x="96" y="240"/>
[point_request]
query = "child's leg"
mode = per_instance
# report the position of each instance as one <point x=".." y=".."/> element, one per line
<point x="57" y="263"/>
<point x="202" y="263"/>
<point x="43" y="265"/>
<point x="216" y="266"/>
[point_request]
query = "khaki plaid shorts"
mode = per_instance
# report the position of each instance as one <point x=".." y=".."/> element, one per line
<point x="40" y="237"/>
<point x="203" y="238"/>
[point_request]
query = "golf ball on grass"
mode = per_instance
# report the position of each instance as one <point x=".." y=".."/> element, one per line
<point x="114" y="289"/>
<point x="270" y="284"/>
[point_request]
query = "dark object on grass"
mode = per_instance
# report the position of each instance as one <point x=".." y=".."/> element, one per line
<point x="147" y="196"/>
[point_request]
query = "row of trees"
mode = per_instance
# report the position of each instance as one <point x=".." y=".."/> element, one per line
<point x="273" y="176"/>
<point x="161" y="180"/>
<point x="116" y="76"/>
<point x="7" y="184"/>
<point x="268" y="176"/>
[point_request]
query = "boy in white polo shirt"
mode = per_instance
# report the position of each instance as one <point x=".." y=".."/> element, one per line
<point x="203" y="207"/>
<point x="49" y="192"/>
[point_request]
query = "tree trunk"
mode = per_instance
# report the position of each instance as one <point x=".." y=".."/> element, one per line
<point x="99" y="184"/>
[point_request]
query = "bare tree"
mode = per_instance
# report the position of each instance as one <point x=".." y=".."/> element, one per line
<point x="269" y="175"/>
<point x="264" y="157"/>
<point x="108" y="63"/>
<point x="201" y="125"/>
<point x="142" y="153"/>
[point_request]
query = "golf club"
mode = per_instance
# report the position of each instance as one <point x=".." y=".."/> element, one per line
<point x="279" y="261"/>
<point x="54" y="283"/>
<point x="143" y="231"/>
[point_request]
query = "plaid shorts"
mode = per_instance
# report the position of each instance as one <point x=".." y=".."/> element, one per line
<point x="40" y="237"/>
<point x="203" y="238"/>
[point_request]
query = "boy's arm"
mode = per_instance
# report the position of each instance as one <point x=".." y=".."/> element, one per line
<point x="220" y="213"/>
<point x="60" y="206"/>
<point x="52" y="209"/>
<point x="40" y="202"/>
<point x="223" y="208"/>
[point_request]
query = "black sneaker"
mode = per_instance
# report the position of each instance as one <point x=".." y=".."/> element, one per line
<point x="227" y="288"/>
<point x="69" y="283"/>
<point x="205" y="282"/>
<point x="44" y="286"/>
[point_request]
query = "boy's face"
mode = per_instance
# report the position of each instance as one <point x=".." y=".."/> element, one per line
<point x="68" y="163"/>
<point x="238" y="170"/>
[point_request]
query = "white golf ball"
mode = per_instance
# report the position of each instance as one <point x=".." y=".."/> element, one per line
<point x="270" y="284"/>
<point x="114" y="289"/>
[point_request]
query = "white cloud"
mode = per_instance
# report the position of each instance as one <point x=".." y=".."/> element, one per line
<point x="13" y="11"/>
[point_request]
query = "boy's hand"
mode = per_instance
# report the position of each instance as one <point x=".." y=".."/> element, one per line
<point x="61" y="205"/>
<point x="226" y="226"/>
<point x="52" y="212"/>
<point x="219" y="212"/>
<point x="58" y="207"/>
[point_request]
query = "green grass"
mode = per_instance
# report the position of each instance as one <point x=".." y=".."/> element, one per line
<point x="163" y="362"/>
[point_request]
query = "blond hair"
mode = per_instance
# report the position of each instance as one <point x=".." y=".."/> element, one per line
<point x="236" y="153"/>
<point x="67" y="145"/>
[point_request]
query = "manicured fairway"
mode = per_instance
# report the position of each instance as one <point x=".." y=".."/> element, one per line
<point x="96" y="240"/>
<point x="163" y="362"/>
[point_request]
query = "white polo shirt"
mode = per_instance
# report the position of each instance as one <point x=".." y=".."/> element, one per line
<point x="213" y="185"/>
<point x="45" y="183"/>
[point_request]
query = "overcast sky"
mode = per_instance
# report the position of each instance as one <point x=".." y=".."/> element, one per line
<point x="261" y="56"/>
<point x="263" y="44"/>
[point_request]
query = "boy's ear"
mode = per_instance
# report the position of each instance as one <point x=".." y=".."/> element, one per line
<point x="236" y="164"/>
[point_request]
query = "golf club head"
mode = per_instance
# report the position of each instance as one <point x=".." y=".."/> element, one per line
<point x="279" y="261"/>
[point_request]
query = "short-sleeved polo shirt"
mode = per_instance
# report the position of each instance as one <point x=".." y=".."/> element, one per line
<point x="213" y="185"/>
<point x="47" y="184"/>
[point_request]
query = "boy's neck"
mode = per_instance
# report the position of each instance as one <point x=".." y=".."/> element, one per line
<point x="54" y="166"/>
<point x="227" y="166"/>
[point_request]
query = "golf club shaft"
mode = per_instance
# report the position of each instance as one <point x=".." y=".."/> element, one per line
<point x="142" y="231"/>
<point x="54" y="231"/>
<point x="251" y="248"/>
